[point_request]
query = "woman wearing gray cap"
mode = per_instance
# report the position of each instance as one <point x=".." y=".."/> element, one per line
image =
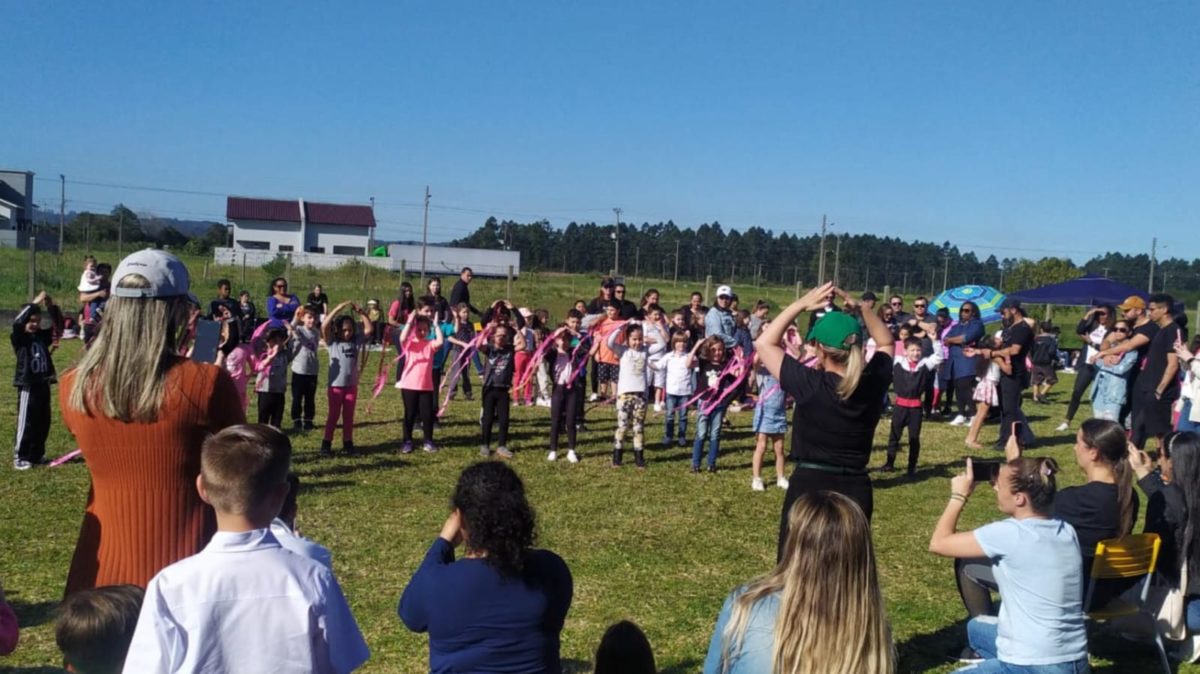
<point x="139" y="412"/>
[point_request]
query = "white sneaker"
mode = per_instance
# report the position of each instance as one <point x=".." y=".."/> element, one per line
<point x="571" y="456"/>
<point x="782" y="483"/>
<point x="958" y="420"/>
<point x="1064" y="426"/>
<point x="757" y="484"/>
<point x="552" y="456"/>
<point x="735" y="407"/>
<point x="658" y="407"/>
<point x="21" y="464"/>
<point x="398" y="385"/>
<point x="593" y="398"/>
<point x="543" y="402"/>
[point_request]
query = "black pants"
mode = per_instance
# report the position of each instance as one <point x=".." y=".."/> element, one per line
<point x="1130" y="396"/>
<point x="418" y="403"/>
<point x="304" y="398"/>
<point x="580" y="385"/>
<point x="595" y="377"/>
<point x="1084" y="374"/>
<point x="437" y="381"/>
<point x="270" y="408"/>
<point x="463" y="375"/>
<point x="927" y="395"/>
<point x="1010" y="403"/>
<point x="804" y="480"/>
<point x="910" y="418"/>
<point x="33" y="422"/>
<point x="495" y="409"/>
<point x="563" y="406"/>
<point x="964" y="395"/>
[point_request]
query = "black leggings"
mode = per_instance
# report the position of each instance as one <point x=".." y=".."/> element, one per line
<point x="804" y="480"/>
<point x="495" y="408"/>
<point x="1084" y="374"/>
<point x="563" y="406"/>
<point x="902" y="418"/>
<point x="304" y="398"/>
<point x="270" y="408"/>
<point x="964" y="396"/>
<point x="418" y="402"/>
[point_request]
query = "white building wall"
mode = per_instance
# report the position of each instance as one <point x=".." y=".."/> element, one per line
<point x="327" y="237"/>
<point x="273" y="232"/>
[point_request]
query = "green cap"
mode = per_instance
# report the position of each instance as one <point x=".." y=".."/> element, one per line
<point x="834" y="330"/>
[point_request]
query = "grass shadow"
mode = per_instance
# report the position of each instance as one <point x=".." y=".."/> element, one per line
<point x="570" y="666"/>
<point x="328" y="467"/>
<point x="682" y="667"/>
<point x="922" y="652"/>
<point x="33" y="614"/>
<point x="933" y="471"/>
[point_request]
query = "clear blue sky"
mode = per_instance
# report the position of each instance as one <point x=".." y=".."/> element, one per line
<point x="1065" y="126"/>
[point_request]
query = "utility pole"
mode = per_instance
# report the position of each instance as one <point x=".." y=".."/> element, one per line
<point x="821" y="259"/>
<point x="425" y="236"/>
<point x="945" y="271"/>
<point x="676" y="282"/>
<point x="62" y="210"/>
<point x="1153" y="252"/>
<point x="837" y="257"/>
<point x="120" y="231"/>
<point x="371" y="231"/>
<point x="904" y="285"/>
<point x="617" y="244"/>
<point x="1106" y="272"/>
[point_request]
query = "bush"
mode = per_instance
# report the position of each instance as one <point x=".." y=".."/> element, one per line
<point x="276" y="267"/>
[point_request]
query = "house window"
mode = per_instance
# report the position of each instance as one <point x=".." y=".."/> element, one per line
<point x="285" y="248"/>
<point x="254" y="245"/>
<point x="316" y="249"/>
<point x="349" y="250"/>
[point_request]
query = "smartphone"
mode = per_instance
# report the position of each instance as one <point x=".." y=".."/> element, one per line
<point x="985" y="470"/>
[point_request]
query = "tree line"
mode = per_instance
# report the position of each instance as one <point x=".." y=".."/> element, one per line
<point x="757" y="255"/>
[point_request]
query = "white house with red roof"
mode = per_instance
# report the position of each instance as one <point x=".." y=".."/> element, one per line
<point x="297" y="226"/>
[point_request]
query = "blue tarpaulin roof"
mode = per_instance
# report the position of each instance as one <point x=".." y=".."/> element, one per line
<point x="1080" y="292"/>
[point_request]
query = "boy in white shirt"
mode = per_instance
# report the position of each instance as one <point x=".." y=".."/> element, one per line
<point x="245" y="603"/>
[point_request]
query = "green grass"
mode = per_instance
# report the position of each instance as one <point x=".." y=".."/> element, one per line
<point x="660" y="547"/>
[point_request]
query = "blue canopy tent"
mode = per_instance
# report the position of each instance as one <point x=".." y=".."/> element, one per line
<point x="1084" y="291"/>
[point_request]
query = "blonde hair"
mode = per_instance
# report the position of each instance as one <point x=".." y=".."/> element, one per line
<point x="831" y="617"/>
<point x="853" y="360"/>
<point x="123" y="373"/>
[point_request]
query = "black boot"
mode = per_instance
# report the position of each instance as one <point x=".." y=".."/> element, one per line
<point x="326" y="449"/>
<point x="639" y="458"/>
<point x="616" y="460"/>
<point x="348" y="448"/>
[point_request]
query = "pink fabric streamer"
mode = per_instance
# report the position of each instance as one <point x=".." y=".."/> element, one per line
<point x="535" y="361"/>
<point x="66" y="457"/>
<point x="456" y="368"/>
<point x="715" y="401"/>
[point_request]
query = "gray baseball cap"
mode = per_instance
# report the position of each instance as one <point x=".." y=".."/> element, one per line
<point x="167" y="274"/>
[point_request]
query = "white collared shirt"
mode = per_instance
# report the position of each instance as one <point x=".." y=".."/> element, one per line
<point x="300" y="545"/>
<point x="245" y="604"/>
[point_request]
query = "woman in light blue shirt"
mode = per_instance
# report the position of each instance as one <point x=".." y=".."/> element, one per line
<point x="1035" y="559"/>
<point x="820" y="611"/>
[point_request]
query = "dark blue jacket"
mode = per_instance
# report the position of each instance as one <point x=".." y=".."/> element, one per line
<point x="959" y="365"/>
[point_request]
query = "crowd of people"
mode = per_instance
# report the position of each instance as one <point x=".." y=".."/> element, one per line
<point x="197" y="507"/>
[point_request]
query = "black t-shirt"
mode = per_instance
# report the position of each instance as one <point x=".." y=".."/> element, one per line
<point x="1045" y="350"/>
<point x="1093" y="510"/>
<point x="1161" y="346"/>
<point x="1020" y="334"/>
<point x="1148" y="330"/>
<point x="214" y="308"/>
<point x="317" y="303"/>
<point x="498" y="371"/>
<point x="826" y="429"/>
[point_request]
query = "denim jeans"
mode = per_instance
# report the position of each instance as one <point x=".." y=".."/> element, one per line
<point x="675" y="406"/>
<point x="708" y="427"/>
<point x="1192" y="614"/>
<point x="981" y="633"/>
<point x="1184" y="424"/>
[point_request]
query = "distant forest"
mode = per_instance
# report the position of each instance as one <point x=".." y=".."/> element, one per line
<point x="754" y="255"/>
<point x="859" y="261"/>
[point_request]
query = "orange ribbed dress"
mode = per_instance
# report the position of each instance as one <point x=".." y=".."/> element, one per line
<point x="143" y="512"/>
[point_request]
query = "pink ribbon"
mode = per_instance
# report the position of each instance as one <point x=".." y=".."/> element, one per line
<point x="66" y="457"/>
<point x="535" y="361"/>
<point x="714" y="402"/>
<point x="456" y="368"/>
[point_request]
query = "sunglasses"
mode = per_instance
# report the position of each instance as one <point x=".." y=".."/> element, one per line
<point x="966" y="310"/>
<point x="280" y="285"/>
<point x="896" y="304"/>
<point x="1124" y="330"/>
<point x="920" y="306"/>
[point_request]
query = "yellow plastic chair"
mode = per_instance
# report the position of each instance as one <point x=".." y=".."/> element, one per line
<point x="1128" y="557"/>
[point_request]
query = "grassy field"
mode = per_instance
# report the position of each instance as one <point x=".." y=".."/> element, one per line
<point x="661" y="547"/>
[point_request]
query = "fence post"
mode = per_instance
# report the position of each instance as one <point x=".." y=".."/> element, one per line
<point x="797" y="290"/>
<point x="403" y="268"/>
<point x="707" y="287"/>
<point x="32" y="267"/>
<point x="364" y="280"/>
<point x="243" y="269"/>
<point x="287" y="267"/>
<point x="508" y="285"/>
<point x="206" y="271"/>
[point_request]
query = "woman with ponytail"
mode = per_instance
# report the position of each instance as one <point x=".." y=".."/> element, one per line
<point x="838" y="403"/>
<point x="1035" y="560"/>
<point x="1105" y="506"/>
<point x="786" y="622"/>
